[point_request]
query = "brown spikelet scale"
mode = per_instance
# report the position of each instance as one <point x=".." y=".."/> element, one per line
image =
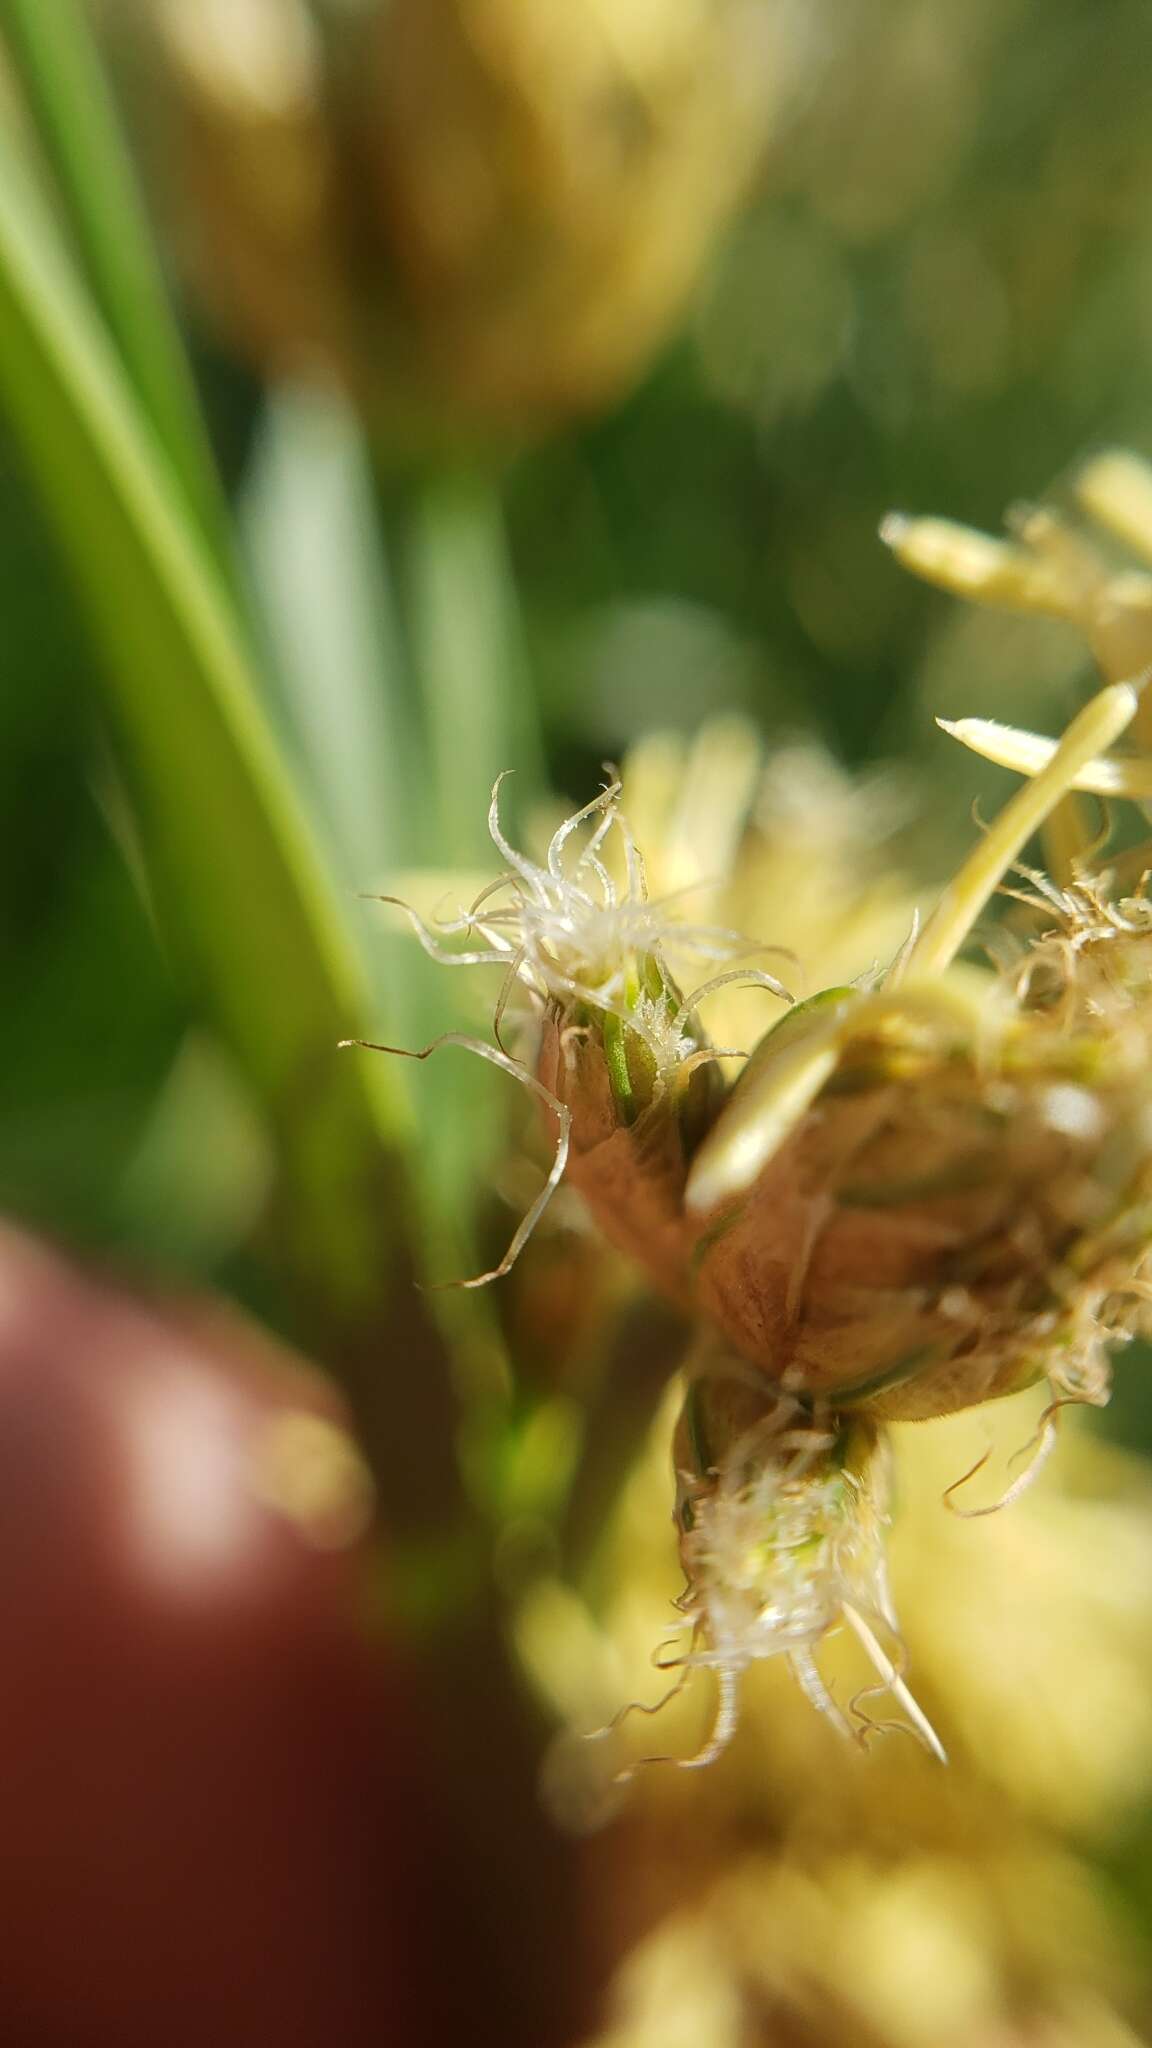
<point x="632" y="1135"/>
<point x="955" y="1217"/>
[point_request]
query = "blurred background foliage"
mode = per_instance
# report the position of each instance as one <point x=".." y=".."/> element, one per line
<point x="559" y="364"/>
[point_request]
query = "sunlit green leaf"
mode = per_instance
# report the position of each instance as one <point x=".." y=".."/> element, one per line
<point x="243" y="901"/>
<point x="58" y="67"/>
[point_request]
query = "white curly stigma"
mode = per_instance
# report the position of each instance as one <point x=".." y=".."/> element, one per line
<point x="581" y="929"/>
<point x="785" y="1547"/>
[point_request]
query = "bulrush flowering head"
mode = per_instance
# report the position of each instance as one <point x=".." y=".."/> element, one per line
<point x="926" y="1188"/>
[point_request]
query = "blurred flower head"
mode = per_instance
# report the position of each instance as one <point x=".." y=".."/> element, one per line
<point x="1008" y="1949"/>
<point x="490" y="210"/>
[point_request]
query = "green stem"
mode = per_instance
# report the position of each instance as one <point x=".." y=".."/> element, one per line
<point x="58" y="67"/>
<point x="467" y="655"/>
<point x="243" y="900"/>
<point x="245" y="905"/>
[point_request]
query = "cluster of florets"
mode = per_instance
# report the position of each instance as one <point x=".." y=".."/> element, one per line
<point x="782" y="1514"/>
<point x="923" y="1191"/>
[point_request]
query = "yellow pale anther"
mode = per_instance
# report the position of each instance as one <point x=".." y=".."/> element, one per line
<point x="1100" y="723"/>
<point x="788" y="1070"/>
<point x="973" y="565"/>
<point x="1009" y="746"/>
<point x="768" y="1108"/>
<point x="1116" y="489"/>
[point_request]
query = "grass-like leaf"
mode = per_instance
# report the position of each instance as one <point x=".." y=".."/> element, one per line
<point x="466" y="652"/>
<point x="243" y="902"/>
<point x="53" y="54"/>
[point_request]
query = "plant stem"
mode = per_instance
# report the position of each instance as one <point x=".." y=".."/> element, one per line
<point x="464" y="635"/>
<point x="244" y="902"/>
<point x="54" y="56"/>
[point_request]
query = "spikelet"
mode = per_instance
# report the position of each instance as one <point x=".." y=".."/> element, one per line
<point x="781" y="1513"/>
<point x="614" y="1047"/>
<point x="937" y="1192"/>
<point x="957" y="1215"/>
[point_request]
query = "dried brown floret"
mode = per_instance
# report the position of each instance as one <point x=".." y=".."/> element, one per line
<point x="963" y="1210"/>
<point x="929" y="1195"/>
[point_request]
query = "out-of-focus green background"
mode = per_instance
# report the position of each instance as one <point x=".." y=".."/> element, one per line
<point x="560" y="363"/>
